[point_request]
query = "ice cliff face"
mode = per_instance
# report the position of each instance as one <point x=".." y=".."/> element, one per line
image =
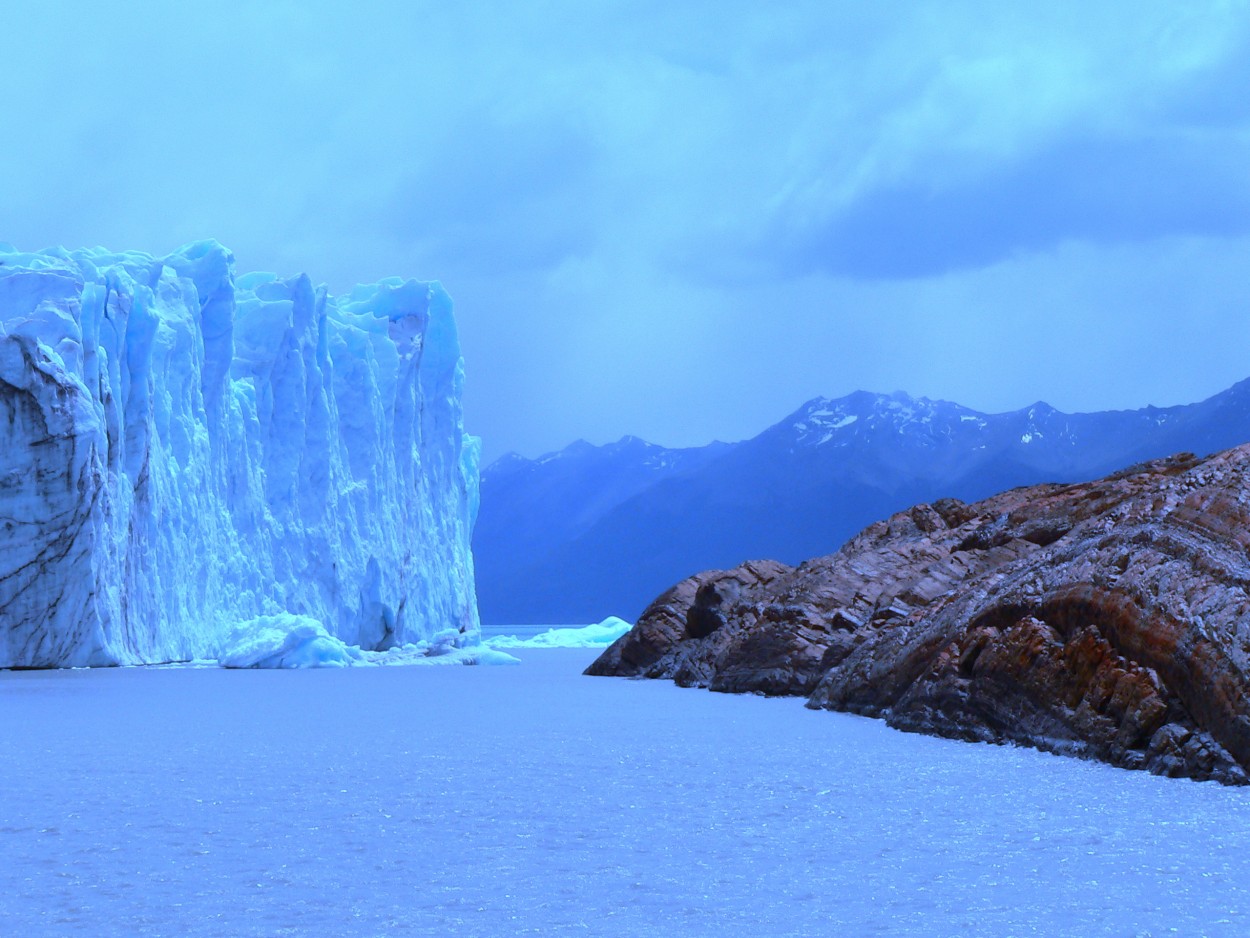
<point x="182" y="450"/>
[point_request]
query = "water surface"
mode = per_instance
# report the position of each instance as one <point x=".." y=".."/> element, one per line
<point x="531" y="800"/>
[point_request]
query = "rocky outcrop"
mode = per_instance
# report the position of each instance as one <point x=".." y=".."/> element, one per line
<point x="1108" y="620"/>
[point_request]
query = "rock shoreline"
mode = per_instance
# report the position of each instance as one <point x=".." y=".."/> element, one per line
<point x="1107" y="620"/>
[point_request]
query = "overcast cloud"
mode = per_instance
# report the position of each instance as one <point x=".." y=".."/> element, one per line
<point x="682" y="219"/>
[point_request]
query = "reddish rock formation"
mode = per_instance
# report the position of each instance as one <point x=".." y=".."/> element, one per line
<point x="1108" y="620"/>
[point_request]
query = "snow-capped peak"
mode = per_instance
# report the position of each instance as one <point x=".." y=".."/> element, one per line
<point x="824" y="421"/>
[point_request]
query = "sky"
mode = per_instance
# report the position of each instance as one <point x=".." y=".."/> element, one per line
<point x="681" y="219"/>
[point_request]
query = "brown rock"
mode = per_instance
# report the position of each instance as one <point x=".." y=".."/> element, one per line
<point x="1109" y="620"/>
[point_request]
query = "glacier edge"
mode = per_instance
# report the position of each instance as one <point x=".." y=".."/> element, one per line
<point x="183" y="450"/>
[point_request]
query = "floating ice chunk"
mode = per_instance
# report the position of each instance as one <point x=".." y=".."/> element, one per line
<point x="488" y="656"/>
<point x="442" y="643"/>
<point x="590" y="636"/>
<point x="420" y="653"/>
<point x="293" y="641"/>
<point x="285" y="641"/>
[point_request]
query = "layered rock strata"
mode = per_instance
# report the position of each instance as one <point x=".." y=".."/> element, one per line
<point x="1107" y="620"/>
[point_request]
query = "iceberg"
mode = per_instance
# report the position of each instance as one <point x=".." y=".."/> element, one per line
<point x="285" y="641"/>
<point x="600" y="635"/>
<point x="186" y="455"/>
<point x="422" y="653"/>
<point x="289" y="641"/>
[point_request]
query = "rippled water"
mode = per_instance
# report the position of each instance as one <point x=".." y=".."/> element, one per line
<point x="531" y="800"/>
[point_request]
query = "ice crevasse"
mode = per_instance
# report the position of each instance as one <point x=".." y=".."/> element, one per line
<point x="184" y="451"/>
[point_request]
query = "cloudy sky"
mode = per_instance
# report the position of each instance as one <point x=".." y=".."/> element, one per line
<point x="682" y="219"/>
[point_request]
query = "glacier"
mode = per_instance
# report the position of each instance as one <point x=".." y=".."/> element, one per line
<point x="184" y="451"/>
<point x="598" y="635"/>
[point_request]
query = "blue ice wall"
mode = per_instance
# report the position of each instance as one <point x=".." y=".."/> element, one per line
<point x="182" y="450"/>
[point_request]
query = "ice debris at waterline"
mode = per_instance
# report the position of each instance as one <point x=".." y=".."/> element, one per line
<point x="285" y="641"/>
<point x="289" y="641"/>
<point x="599" y="635"/>
<point x="182" y="451"/>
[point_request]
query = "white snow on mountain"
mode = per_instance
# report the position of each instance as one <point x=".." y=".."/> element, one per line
<point x="183" y="452"/>
<point x="840" y="421"/>
<point x="863" y="415"/>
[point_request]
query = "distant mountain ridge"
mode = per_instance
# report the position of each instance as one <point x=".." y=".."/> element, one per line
<point x="595" y="530"/>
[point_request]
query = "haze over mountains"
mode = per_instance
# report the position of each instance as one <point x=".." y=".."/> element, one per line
<point x="595" y="530"/>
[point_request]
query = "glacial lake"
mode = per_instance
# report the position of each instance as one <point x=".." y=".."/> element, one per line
<point x="533" y="801"/>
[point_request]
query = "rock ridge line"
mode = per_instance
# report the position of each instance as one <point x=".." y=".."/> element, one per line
<point x="1107" y="620"/>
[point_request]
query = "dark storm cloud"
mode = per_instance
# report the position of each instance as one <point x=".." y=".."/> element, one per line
<point x="1167" y="161"/>
<point x="1080" y="188"/>
<point x="678" y="219"/>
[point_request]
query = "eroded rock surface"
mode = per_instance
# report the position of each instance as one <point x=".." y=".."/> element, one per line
<point x="1108" y="620"/>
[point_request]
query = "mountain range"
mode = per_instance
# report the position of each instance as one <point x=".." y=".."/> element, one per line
<point x="589" y="530"/>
